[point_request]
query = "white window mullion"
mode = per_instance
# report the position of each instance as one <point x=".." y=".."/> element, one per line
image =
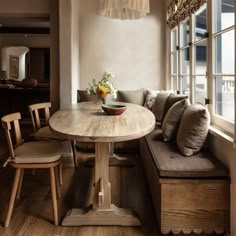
<point x="209" y="74"/>
<point x="191" y="55"/>
<point x="235" y="74"/>
<point x="179" y="62"/>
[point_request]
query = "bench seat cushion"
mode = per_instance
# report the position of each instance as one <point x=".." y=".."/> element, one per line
<point x="170" y="163"/>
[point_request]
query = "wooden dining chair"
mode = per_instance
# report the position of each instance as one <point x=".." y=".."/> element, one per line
<point x="43" y="132"/>
<point x="30" y="155"/>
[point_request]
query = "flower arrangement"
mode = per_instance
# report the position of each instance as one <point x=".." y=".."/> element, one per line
<point x="102" y="87"/>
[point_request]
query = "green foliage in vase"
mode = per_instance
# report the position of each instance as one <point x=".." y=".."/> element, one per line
<point x="103" y="86"/>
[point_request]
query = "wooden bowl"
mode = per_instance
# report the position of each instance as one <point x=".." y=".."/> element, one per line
<point x="113" y="109"/>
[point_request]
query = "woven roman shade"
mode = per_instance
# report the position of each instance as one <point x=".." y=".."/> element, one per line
<point x="178" y="10"/>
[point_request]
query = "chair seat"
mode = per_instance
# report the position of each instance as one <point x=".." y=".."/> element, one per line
<point x="46" y="134"/>
<point x="38" y="152"/>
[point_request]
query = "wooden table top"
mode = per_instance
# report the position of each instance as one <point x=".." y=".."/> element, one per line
<point x="87" y="122"/>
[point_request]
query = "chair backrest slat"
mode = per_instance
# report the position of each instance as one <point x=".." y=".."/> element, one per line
<point x="33" y="121"/>
<point x="34" y="112"/>
<point x="37" y="119"/>
<point x="6" y="123"/>
<point x="10" y="145"/>
<point x="47" y="115"/>
<point x="19" y="140"/>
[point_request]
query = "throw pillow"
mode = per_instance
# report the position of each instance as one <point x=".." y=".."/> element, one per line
<point x="159" y="104"/>
<point x="83" y="96"/>
<point x="172" y="99"/>
<point x="171" y="121"/>
<point x="150" y="96"/>
<point x="193" y="129"/>
<point x="133" y="96"/>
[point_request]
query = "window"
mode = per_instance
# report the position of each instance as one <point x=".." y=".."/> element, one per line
<point x="207" y="61"/>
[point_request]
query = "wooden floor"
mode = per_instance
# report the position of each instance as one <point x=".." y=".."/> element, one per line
<point x="33" y="215"/>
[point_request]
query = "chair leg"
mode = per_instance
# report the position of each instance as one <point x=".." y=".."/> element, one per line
<point x="57" y="177"/>
<point x="54" y="195"/>
<point x="13" y="196"/>
<point x="60" y="174"/>
<point x="74" y="152"/>
<point x="20" y="184"/>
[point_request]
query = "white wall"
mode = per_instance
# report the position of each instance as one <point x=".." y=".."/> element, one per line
<point x="18" y="52"/>
<point x="69" y="51"/>
<point x="24" y="6"/>
<point x="75" y="50"/>
<point x="132" y="50"/>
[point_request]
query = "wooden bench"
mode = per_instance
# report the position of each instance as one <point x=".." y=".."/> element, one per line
<point x="190" y="194"/>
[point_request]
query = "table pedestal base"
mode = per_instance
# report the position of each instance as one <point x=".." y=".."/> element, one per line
<point x="112" y="216"/>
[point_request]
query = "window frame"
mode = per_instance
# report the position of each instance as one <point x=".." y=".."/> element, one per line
<point x="172" y="52"/>
<point x="216" y="120"/>
<point x="196" y="42"/>
<point x="181" y="52"/>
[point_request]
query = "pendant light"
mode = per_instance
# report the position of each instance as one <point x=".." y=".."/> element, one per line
<point x="124" y="9"/>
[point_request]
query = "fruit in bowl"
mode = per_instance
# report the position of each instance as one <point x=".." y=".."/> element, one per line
<point x="113" y="109"/>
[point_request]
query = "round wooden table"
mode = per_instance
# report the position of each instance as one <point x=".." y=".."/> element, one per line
<point x="86" y="122"/>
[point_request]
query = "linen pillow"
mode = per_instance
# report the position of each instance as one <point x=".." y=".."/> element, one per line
<point x="193" y="129"/>
<point x="83" y="96"/>
<point x="150" y="96"/>
<point x="172" y="99"/>
<point x="159" y="104"/>
<point x="133" y="96"/>
<point x="172" y="119"/>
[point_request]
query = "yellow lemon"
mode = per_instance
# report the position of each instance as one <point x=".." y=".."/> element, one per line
<point x="102" y="91"/>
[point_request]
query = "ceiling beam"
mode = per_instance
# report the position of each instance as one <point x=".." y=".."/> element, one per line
<point x="24" y="17"/>
<point x="24" y="30"/>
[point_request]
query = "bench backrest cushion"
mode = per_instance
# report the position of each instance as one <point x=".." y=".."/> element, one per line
<point x="132" y="96"/>
<point x="193" y="129"/>
<point x="171" y="100"/>
<point x="150" y="96"/>
<point x="83" y="96"/>
<point x="159" y="105"/>
<point x="172" y="119"/>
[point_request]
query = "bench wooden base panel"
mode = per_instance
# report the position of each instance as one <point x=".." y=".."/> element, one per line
<point x="187" y="205"/>
<point x="189" y="232"/>
<point x="200" y="207"/>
